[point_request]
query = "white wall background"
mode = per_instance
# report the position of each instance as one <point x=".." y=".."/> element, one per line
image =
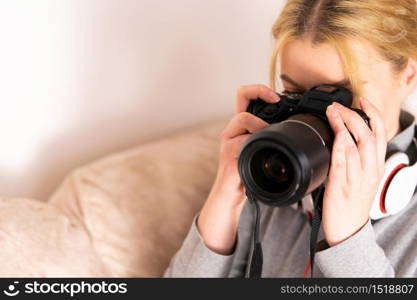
<point x="83" y="78"/>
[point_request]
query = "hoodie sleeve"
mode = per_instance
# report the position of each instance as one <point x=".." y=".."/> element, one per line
<point x="195" y="259"/>
<point x="357" y="256"/>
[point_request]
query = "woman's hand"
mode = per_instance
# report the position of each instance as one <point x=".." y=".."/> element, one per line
<point x="218" y="220"/>
<point x="355" y="170"/>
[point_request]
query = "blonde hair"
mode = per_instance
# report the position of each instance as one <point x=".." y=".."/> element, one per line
<point x="388" y="25"/>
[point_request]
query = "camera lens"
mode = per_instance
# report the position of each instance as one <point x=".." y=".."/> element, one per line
<point x="285" y="161"/>
<point x="273" y="170"/>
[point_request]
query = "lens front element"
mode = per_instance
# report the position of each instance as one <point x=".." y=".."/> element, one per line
<point x="273" y="170"/>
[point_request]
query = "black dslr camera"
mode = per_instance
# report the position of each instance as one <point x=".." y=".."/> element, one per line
<point x="287" y="160"/>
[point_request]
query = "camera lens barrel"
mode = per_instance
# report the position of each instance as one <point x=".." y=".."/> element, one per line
<point x="282" y="163"/>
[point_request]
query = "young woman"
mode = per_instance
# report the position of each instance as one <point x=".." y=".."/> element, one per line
<point x="370" y="47"/>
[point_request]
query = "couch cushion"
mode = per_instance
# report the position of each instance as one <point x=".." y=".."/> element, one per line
<point x="38" y="240"/>
<point x="137" y="205"/>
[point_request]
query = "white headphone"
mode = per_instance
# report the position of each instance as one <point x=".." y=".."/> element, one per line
<point x="397" y="186"/>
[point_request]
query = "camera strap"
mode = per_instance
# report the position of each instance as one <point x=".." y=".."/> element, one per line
<point x="256" y="260"/>
<point x="315" y="223"/>
<point x="254" y="269"/>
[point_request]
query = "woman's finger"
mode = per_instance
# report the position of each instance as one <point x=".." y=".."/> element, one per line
<point x="243" y="123"/>
<point x="335" y="122"/>
<point x="251" y="92"/>
<point x="378" y="127"/>
<point x="355" y="124"/>
<point x="353" y="161"/>
<point x="365" y="139"/>
<point x="337" y="171"/>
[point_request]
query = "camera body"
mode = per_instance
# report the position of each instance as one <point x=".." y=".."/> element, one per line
<point x="316" y="100"/>
<point x="287" y="160"/>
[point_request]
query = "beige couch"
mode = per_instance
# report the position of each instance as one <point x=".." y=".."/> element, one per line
<point x="122" y="216"/>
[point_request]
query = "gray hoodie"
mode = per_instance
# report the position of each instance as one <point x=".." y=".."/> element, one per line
<point x="382" y="248"/>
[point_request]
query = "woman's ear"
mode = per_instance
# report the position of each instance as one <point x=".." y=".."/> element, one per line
<point x="409" y="77"/>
